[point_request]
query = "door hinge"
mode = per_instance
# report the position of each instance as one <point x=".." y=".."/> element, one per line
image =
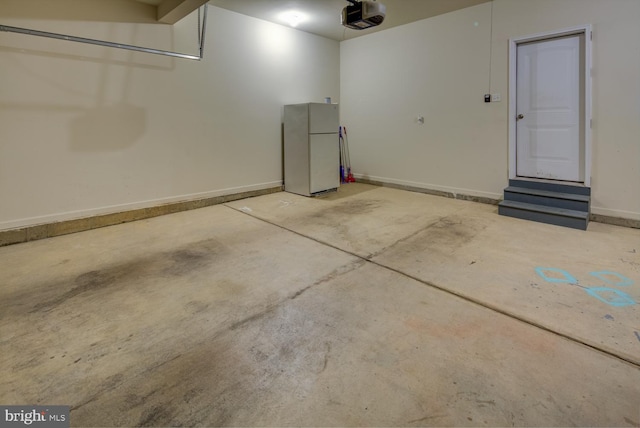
<point x="591" y="35"/>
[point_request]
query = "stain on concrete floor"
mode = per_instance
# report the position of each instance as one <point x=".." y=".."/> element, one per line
<point x="225" y="320"/>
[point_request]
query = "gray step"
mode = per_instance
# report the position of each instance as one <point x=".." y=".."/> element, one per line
<point x="552" y="187"/>
<point x="570" y="201"/>
<point x="544" y="214"/>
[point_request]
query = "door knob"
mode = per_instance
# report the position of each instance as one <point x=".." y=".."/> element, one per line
<point x="520" y="116"/>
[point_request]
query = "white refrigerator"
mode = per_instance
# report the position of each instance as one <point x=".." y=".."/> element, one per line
<point x="311" y="148"/>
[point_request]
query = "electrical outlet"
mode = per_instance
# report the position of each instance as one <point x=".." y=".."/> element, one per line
<point x="496" y="98"/>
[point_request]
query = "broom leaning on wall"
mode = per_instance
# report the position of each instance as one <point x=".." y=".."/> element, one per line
<point x="347" y="161"/>
<point x="343" y="177"/>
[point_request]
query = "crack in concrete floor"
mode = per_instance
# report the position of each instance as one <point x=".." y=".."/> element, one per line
<point x="446" y="221"/>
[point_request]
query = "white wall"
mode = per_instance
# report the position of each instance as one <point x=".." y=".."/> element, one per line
<point x="440" y="68"/>
<point x="616" y="86"/>
<point x="88" y="130"/>
<point x="437" y="68"/>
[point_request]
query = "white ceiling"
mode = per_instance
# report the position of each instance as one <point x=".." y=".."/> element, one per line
<point x="323" y="16"/>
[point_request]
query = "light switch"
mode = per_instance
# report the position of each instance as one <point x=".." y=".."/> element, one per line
<point x="495" y="98"/>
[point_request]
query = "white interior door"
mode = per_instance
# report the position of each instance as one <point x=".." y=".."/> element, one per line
<point x="550" y="109"/>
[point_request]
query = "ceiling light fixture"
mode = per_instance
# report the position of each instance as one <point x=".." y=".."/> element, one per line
<point x="292" y="17"/>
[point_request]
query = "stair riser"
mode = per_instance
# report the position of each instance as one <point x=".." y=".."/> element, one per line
<point x="562" y="188"/>
<point x="546" y="201"/>
<point x="544" y="218"/>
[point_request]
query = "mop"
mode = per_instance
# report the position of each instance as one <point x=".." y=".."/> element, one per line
<point x="350" y="178"/>
<point x="343" y="177"/>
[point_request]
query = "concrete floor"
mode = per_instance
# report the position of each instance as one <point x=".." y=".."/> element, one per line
<point x="367" y="307"/>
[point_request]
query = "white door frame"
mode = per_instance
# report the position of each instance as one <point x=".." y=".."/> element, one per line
<point x="513" y="46"/>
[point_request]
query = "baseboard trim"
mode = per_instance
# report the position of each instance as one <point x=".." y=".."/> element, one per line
<point x="599" y="218"/>
<point x="436" y="192"/>
<point x="49" y="230"/>
<point x="615" y="221"/>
